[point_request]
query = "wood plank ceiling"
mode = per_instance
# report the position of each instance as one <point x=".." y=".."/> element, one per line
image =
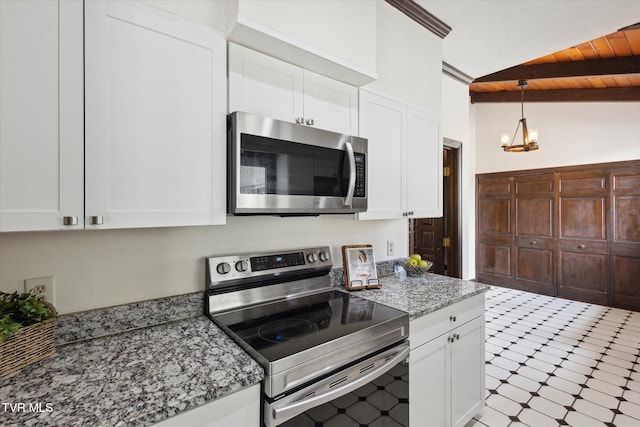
<point x="603" y="69"/>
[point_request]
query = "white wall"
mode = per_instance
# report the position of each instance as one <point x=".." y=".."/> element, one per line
<point x="457" y="125"/>
<point x="409" y="59"/>
<point x="569" y="134"/>
<point x="100" y="268"/>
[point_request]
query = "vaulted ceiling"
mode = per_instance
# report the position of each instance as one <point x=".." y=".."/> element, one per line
<point x="568" y="50"/>
<point x="603" y="69"/>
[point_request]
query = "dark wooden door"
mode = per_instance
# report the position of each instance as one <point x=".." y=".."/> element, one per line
<point x="625" y="245"/>
<point x="494" y="248"/>
<point x="534" y="242"/>
<point x="583" y="250"/>
<point x="437" y="239"/>
<point x="428" y="235"/>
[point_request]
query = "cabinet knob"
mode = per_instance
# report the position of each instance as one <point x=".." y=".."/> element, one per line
<point x="300" y="120"/>
<point x="457" y="336"/>
<point x="70" y="220"/>
<point x="452" y="318"/>
<point x="96" y="220"/>
<point x="533" y="242"/>
<point x="310" y="122"/>
<point x="582" y="246"/>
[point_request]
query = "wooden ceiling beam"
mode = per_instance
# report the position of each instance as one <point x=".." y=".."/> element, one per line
<point x="560" y="95"/>
<point x="593" y="67"/>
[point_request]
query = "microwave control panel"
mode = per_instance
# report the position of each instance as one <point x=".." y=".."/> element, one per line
<point x="360" y="175"/>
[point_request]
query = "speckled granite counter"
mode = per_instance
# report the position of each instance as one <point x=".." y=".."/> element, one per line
<point x="419" y="296"/>
<point x="133" y="378"/>
<point x="138" y="364"/>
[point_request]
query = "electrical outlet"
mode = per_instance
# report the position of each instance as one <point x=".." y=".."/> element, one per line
<point x="390" y="248"/>
<point x="42" y="282"/>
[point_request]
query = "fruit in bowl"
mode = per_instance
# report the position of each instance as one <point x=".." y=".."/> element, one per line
<point x="416" y="266"/>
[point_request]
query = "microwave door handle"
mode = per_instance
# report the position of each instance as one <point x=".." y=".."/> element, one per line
<point x="348" y="201"/>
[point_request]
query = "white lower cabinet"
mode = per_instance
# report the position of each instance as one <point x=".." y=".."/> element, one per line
<point x="446" y="385"/>
<point x="241" y="408"/>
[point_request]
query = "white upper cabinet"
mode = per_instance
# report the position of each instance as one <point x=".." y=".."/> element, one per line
<point x="383" y="122"/>
<point x="336" y="38"/>
<point x="155" y="118"/>
<point x="273" y="88"/>
<point x="41" y="116"/>
<point x="152" y="113"/>
<point x="424" y="164"/>
<point x="264" y="85"/>
<point x="404" y="158"/>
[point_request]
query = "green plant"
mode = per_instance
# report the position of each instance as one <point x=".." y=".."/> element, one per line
<point x="20" y="310"/>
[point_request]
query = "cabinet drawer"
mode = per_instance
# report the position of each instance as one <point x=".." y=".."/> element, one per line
<point x="444" y="320"/>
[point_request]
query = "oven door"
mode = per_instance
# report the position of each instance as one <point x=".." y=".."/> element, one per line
<point x="382" y="380"/>
<point x="283" y="168"/>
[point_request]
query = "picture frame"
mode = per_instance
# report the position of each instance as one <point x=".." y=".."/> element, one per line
<point x="359" y="267"/>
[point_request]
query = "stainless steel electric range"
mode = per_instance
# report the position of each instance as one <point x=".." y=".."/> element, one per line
<point x="316" y="344"/>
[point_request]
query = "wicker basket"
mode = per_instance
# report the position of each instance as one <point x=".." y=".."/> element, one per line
<point x="29" y="345"/>
<point x="415" y="271"/>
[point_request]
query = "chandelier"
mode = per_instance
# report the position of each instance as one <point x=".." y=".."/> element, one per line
<point x="529" y="138"/>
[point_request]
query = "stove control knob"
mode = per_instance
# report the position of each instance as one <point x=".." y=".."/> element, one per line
<point x="312" y="257"/>
<point x="241" y="266"/>
<point x="223" y="268"/>
<point x="324" y="256"/>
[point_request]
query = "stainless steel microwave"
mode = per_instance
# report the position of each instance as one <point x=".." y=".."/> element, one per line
<point x="281" y="168"/>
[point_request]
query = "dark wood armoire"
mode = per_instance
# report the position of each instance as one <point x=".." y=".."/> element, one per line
<point x="571" y="232"/>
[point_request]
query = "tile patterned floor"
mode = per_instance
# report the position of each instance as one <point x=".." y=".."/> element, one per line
<point x="555" y="362"/>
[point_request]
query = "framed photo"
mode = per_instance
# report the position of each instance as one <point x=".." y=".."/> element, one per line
<point x="359" y="267"/>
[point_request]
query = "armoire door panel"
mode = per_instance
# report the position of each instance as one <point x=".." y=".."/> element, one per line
<point x="625" y="267"/>
<point x="495" y="259"/>
<point x="534" y="217"/>
<point x="583" y="276"/>
<point x="535" y="186"/>
<point x="582" y="218"/>
<point x="495" y="187"/>
<point x="627" y="219"/>
<point x="592" y="182"/>
<point x="495" y="216"/>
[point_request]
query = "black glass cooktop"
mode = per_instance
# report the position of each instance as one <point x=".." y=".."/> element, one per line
<point x="279" y="329"/>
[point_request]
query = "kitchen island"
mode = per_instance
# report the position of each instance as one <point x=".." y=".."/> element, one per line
<point x="153" y="367"/>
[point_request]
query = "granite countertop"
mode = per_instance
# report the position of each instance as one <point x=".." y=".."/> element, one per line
<point x="133" y="378"/>
<point x="141" y="363"/>
<point x="420" y="296"/>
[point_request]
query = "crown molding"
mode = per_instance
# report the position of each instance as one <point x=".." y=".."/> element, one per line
<point x="414" y="11"/>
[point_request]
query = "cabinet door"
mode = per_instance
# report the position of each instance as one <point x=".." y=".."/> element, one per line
<point x="263" y="85"/>
<point x="424" y="164"/>
<point x="583" y="256"/>
<point x="330" y="104"/>
<point x="467" y="372"/>
<point x="155" y="118"/>
<point x="494" y="250"/>
<point x="241" y="408"/>
<point x="625" y="244"/>
<point x="41" y="115"/>
<point x="383" y="122"/>
<point x="429" y="383"/>
<point x="535" y="234"/>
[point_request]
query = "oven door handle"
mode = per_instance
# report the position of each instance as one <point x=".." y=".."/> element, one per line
<point x="363" y="373"/>
<point x="348" y="201"/>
